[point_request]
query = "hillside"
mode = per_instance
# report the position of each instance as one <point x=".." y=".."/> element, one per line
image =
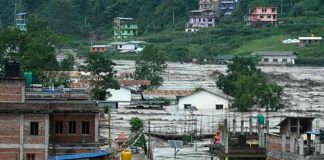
<point x="91" y="20"/>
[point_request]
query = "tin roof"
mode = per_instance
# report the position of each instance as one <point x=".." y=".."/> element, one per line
<point x="169" y="92"/>
<point x="310" y="38"/>
<point x="134" y="82"/>
<point x="273" y="53"/>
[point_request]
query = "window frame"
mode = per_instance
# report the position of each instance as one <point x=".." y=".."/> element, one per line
<point x="85" y="127"/>
<point x="72" y="127"/>
<point x="59" y="127"/>
<point x="34" y="128"/>
<point x="219" y="106"/>
<point x="30" y="156"/>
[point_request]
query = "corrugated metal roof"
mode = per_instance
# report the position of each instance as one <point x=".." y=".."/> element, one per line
<point x="79" y="156"/>
<point x="169" y="92"/>
<point x="134" y="82"/>
<point x="273" y="53"/>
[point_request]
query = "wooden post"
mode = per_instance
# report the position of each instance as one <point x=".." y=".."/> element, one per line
<point x="234" y="125"/>
<point x="283" y="143"/>
<point x="298" y="127"/>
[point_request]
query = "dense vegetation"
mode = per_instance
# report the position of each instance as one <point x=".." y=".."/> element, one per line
<point x="248" y="85"/>
<point x="91" y="20"/>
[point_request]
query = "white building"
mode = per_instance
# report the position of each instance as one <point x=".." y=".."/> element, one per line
<point x="129" y="47"/>
<point x="206" y="101"/>
<point x="276" y="57"/>
<point x="122" y="96"/>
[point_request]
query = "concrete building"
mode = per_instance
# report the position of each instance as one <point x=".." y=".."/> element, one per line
<point x="227" y="7"/>
<point x="262" y="15"/>
<point x="276" y="57"/>
<point x="35" y="130"/>
<point x="21" y="21"/>
<point x="101" y="48"/>
<point x="309" y="41"/>
<point x="204" y="17"/>
<point x="122" y="96"/>
<point x="130" y="46"/>
<point x="125" y="28"/>
<point x="206" y="101"/>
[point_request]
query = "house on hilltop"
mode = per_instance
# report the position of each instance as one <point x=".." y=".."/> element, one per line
<point x="262" y="15"/>
<point x="125" y="28"/>
<point x="309" y="41"/>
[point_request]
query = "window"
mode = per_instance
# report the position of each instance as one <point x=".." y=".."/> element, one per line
<point x="219" y="106"/>
<point x="261" y="16"/>
<point x="275" y="60"/>
<point x="72" y="127"/>
<point x="284" y="60"/>
<point x="210" y="20"/>
<point x="58" y="127"/>
<point x="30" y="156"/>
<point x="264" y="10"/>
<point x="269" y="16"/>
<point x="265" y="60"/>
<point x="85" y="127"/>
<point x="187" y="106"/>
<point x="34" y="128"/>
<point x="273" y="10"/>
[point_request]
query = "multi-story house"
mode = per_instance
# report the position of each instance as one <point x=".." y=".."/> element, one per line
<point x="125" y="28"/>
<point x="227" y="7"/>
<point x="21" y="21"/>
<point x="262" y="15"/>
<point x="39" y="130"/>
<point x="204" y="17"/>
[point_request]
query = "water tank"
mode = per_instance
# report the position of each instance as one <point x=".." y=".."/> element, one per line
<point x="28" y="78"/>
<point x="126" y="155"/>
<point x="12" y="69"/>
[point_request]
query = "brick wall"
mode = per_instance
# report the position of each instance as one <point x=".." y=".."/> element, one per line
<point x="12" y="90"/>
<point x="67" y="138"/>
<point x="10" y="136"/>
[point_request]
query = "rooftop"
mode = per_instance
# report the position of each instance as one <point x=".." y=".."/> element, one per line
<point x="134" y="82"/>
<point x="49" y="107"/>
<point x="310" y="38"/>
<point x="273" y="53"/>
<point x="169" y="92"/>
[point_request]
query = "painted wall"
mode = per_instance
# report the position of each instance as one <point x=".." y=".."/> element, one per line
<point x="204" y="101"/>
<point x="280" y="60"/>
<point x="121" y="94"/>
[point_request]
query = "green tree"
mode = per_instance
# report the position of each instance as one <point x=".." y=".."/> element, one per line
<point x="137" y="138"/>
<point x="103" y="75"/>
<point x="67" y="63"/>
<point x="150" y="66"/>
<point x="248" y="85"/>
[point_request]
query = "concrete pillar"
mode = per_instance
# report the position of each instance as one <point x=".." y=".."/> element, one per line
<point x="234" y="125"/>
<point x="242" y="126"/>
<point x="308" y="143"/>
<point x="292" y="143"/>
<point x="289" y="127"/>
<point x="301" y="146"/>
<point x="21" y="137"/>
<point x="226" y="136"/>
<point x="251" y="126"/>
<point x="97" y="127"/>
<point x="267" y="126"/>
<point x="46" y="135"/>
<point x="298" y="127"/>
<point x="283" y="144"/>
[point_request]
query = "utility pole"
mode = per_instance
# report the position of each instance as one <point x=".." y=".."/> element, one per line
<point x="15" y="12"/>
<point x="149" y="155"/>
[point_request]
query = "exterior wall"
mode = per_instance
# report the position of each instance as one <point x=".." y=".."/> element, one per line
<point x="126" y="47"/>
<point x="65" y="137"/>
<point x="15" y="138"/>
<point x="290" y="60"/>
<point x="98" y="49"/>
<point x="205" y="102"/>
<point x="12" y="90"/>
<point x="125" y="29"/>
<point x="263" y="14"/>
<point x="121" y="94"/>
<point x="200" y="22"/>
<point x="304" y="43"/>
